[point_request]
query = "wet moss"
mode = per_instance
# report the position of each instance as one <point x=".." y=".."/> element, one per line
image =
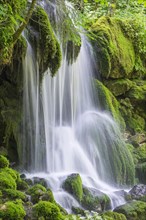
<point x="113" y="216"/>
<point x="3" y="162"/>
<point x="36" y="192"/>
<point x="133" y="210"/>
<point x="47" y="210"/>
<point x="115" y="52"/>
<point x="48" y="46"/>
<point x="12" y="210"/>
<point x="108" y="102"/>
<point x="73" y="185"/>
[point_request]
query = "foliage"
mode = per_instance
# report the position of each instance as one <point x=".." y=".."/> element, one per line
<point x="10" y="16"/>
<point x="11" y="194"/>
<point x="73" y="185"/>
<point x="3" y="162"/>
<point x="12" y="210"/>
<point x="47" y="210"/>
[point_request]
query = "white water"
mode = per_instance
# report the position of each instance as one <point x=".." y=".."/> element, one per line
<point x="64" y="132"/>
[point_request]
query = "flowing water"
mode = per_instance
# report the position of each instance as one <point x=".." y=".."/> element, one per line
<point x="64" y="132"/>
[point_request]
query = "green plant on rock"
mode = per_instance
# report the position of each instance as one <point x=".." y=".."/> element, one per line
<point x="47" y="210"/>
<point x="3" y="162"/>
<point x="49" y="48"/>
<point x="113" y="216"/>
<point x="11" y="194"/>
<point x="36" y="192"/>
<point x="133" y="210"/>
<point x="73" y="185"/>
<point x="6" y="181"/>
<point x="12" y="210"/>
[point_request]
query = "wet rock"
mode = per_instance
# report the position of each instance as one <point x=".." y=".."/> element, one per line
<point x="138" y="192"/>
<point x="41" y="181"/>
<point x="22" y="176"/>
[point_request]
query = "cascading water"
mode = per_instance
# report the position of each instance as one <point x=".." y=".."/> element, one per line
<point x="63" y="131"/>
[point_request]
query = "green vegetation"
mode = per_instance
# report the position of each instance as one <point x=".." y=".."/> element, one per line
<point x="12" y="210"/>
<point x="133" y="210"/>
<point x="73" y="185"/>
<point x="36" y="191"/>
<point x="49" y="48"/>
<point x="113" y="216"/>
<point x="3" y="162"/>
<point x="47" y="210"/>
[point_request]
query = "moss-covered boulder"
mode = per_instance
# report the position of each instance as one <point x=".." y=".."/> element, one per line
<point x="3" y="162"/>
<point x="133" y="210"/>
<point x="119" y="87"/>
<point x="11" y="194"/>
<point x="36" y="192"/>
<point x="113" y="216"/>
<point x="47" y="210"/>
<point x="94" y="200"/>
<point x="116" y="50"/>
<point x="7" y="181"/>
<point x="73" y="185"/>
<point x="48" y="46"/>
<point x="12" y="210"/>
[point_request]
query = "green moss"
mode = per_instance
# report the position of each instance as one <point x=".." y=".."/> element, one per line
<point x="6" y="180"/>
<point x="115" y="52"/>
<point x="108" y="102"/>
<point x="134" y="122"/>
<point x="73" y="185"/>
<point x="138" y="91"/>
<point x="12" y="210"/>
<point x="36" y="192"/>
<point x="49" y="49"/>
<point x="93" y="203"/>
<point x="11" y="194"/>
<point x="113" y="216"/>
<point x="3" y="162"/>
<point x="134" y="210"/>
<point x="22" y="185"/>
<point x="119" y="87"/>
<point x="48" y="196"/>
<point x="140" y="153"/>
<point x="47" y="210"/>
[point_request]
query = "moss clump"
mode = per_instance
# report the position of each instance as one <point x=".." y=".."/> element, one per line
<point x="49" y="48"/>
<point x="7" y="181"/>
<point x="113" y="216"/>
<point x="3" y="162"/>
<point x="94" y="201"/>
<point x="12" y="210"/>
<point x="36" y="192"/>
<point x="73" y="185"/>
<point x="47" y="210"/>
<point x="134" y="210"/>
<point x="11" y="194"/>
<point x="119" y="87"/>
<point x="140" y="153"/>
<point x="22" y="185"/>
<point x="138" y="91"/>
<point x="115" y="51"/>
<point x="108" y="102"/>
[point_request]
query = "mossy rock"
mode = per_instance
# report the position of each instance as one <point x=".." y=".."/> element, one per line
<point x="48" y="196"/>
<point x="119" y="87"/>
<point x="49" y="48"/>
<point x="73" y="185"/>
<point x="12" y="210"/>
<point x="108" y="102"/>
<point x="47" y="210"/>
<point x="137" y="91"/>
<point x="115" y="51"/>
<point x="11" y="194"/>
<point x="7" y="181"/>
<point x="94" y="200"/>
<point x="3" y="162"/>
<point x="36" y="192"/>
<point x="133" y="210"/>
<point x="113" y="216"/>
<point x="22" y="185"/>
<point x="134" y="122"/>
<point x="140" y="153"/>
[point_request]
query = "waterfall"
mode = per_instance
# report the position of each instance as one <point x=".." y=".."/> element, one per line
<point x="64" y="131"/>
